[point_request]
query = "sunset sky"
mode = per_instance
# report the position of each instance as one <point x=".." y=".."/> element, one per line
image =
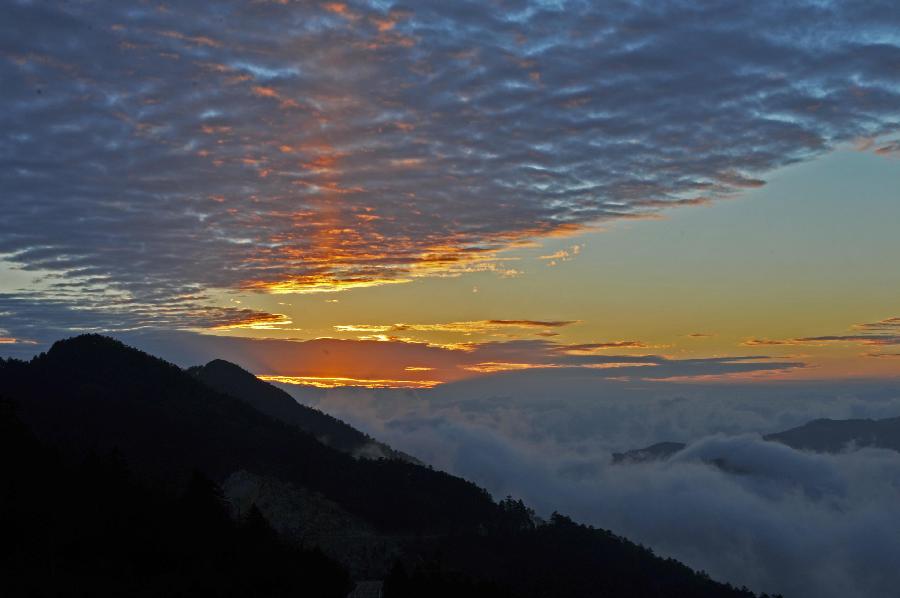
<point x="396" y="195"/>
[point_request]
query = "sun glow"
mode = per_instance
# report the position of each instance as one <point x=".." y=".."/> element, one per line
<point x="341" y="382"/>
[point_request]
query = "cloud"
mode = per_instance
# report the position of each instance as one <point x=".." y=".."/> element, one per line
<point x="563" y="255"/>
<point x="460" y="327"/>
<point x="883" y="332"/>
<point x="796" y="523"/>
<point x="384" y="361"/>
<point x="338" y="381"/>
<point x="867" y="339"/>
<point x="298" y="147"/>
<point x="43" y="320"/>
<point x="886" y="326"/>
<point x="532" y="323"/>
<point x="769" y="342"/>
<point x="770" y="517"/>
<point x="589" y="347"/>
<point x="5" y="339"/>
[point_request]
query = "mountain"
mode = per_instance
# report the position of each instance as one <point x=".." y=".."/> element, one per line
<point x="426" y="533"/>
<point x="832" y="436"/>
<point x="94" y="393"/>
<point x="88" y="528"/>
<point x="236" y="382"/>
<point x="655" y="452"/>
<point x="820" y="435"/>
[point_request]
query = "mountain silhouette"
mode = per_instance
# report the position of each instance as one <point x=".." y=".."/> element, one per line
<point x="92" y="395"/>
<point x="87" y="527"/>
<point x="820" y="436"/>
<point x="833" y="436"/>
<point x="236" y="382"/>
<point x="655" y="452"/>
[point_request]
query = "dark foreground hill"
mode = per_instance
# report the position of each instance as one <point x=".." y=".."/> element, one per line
<point x="91" y="395"/>
<point x="86" y="528"/>
<point x="94" y="393"/>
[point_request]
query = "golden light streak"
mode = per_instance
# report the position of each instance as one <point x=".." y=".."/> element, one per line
<point x="489" y="367"/>
<point x="618" y="364"/>
<point x="590" y="348"/>
<point x="340" y="382"/>
<point x="257" y="321"/>
<point x="333" y="243"/>
<point x="362" y="328"/>
<point x="305" y="285"/>
<point x="466" y="327"/>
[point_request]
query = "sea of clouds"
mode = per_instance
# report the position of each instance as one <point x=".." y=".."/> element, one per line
<point x="767" y="516"/>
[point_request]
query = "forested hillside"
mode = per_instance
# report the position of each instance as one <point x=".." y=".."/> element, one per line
<point x="119" y="494"/>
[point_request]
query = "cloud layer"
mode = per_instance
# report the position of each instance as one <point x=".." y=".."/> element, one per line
<point x="152" y="152"/>
<point x="768" y="516"/>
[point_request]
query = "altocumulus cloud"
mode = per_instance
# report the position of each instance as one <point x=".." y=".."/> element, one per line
<point x="154" y="153"/>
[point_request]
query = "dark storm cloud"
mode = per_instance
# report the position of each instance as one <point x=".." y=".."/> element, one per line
<point x="158" y="150"/>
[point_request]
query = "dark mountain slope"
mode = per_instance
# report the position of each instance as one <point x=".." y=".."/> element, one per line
<point x="93" y="392"/>
<point x="655" y="452"/>
<point x="88" y="529"/>
<point x="832" y="436"/>
<point x="234" y="381"/>
<point x="559" y="558"/>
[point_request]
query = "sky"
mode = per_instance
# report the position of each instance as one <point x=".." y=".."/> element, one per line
<point x="453" y="189"/>
<point x="508" y="237"/>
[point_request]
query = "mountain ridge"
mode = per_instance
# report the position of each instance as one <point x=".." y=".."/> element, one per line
<point x="823" y="435"/>
<point x="94" y="394"/>
<point x="233" y="380"/>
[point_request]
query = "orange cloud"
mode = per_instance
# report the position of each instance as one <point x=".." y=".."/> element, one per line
<point x="591" y="347"/>
<point x="489" y="367"/>
<point x="563" y="255"/>
<point x="467" y="327"/>
<point x="338" y="382"/>
<point x="339" y="8"/>
<point x="9" y="340"/>
<point x="883" y="332"/>
<point x="265" y="92"/>
<point x="881" y="355"/>
<point x="768" y="342"/>
<point x="256" y="321"/>
<point x="199" y="40"/>
<point x="337" y="250"/>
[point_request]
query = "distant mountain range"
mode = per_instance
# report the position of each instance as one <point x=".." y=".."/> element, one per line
<point x="820" y="435"/>
<point x="833" y="436"/>
<point x="267" y="458"/>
